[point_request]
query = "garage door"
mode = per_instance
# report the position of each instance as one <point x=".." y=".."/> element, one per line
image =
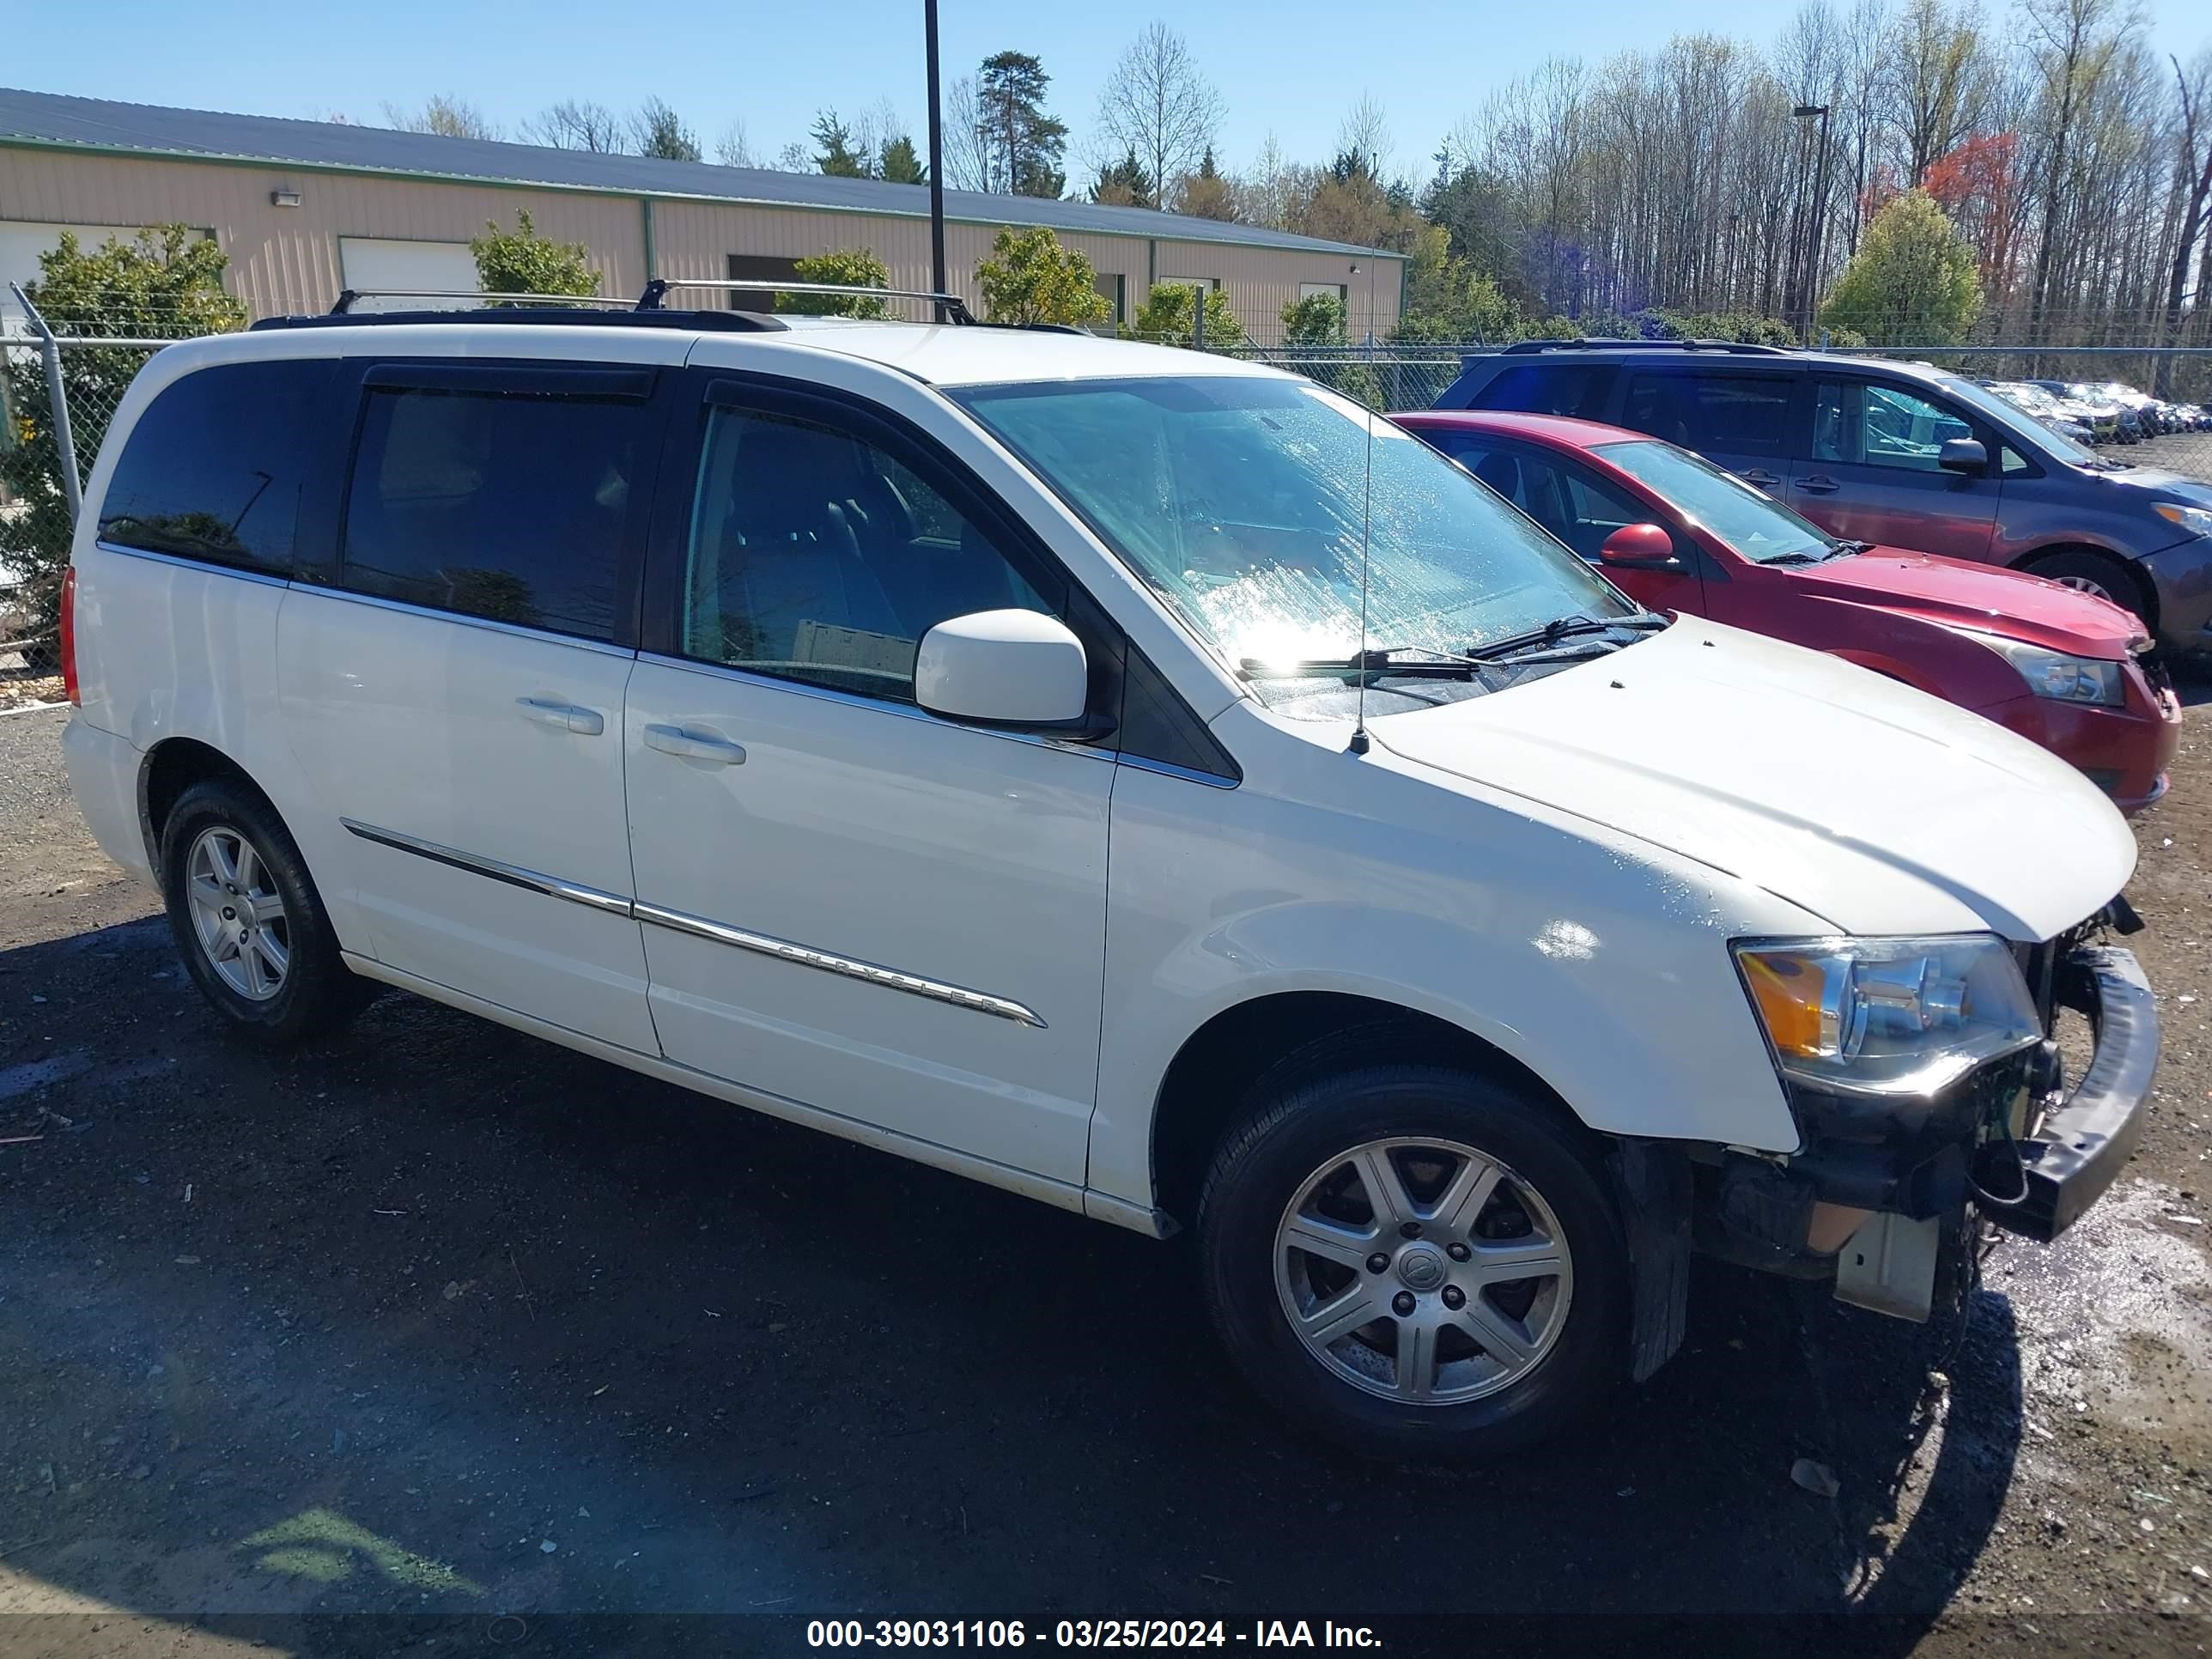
<point x="21" y="245"/>
<point x="371" y="263"/>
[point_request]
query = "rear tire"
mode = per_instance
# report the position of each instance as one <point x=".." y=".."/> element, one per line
<point x="248" y="921"/>
<point x="2098" y="574"/>
<point x="1499" y="1307"/>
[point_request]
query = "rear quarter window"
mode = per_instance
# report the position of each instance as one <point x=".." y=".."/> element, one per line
<point x="1547" y="389"/>
<point x="214" y="467"/>
<point x="1712" y="413"/>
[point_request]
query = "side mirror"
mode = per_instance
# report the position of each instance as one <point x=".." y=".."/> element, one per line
<point x="1638" y="547"/>
<point x="1963" y="455"/>
<point x="1015" y="668"/>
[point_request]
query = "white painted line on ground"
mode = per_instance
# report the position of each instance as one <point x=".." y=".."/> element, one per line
<point x="32" y="707"/>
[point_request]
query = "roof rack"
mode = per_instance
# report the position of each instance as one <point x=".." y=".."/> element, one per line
<point x="1599" y="344"/>
<point x="344" y="306"/>
<point x="597" y="310"/>
<point x="726" y="322"/>
<point x="950" y="305"/>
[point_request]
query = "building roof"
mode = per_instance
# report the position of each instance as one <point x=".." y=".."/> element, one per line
<point x="112" y="128"/>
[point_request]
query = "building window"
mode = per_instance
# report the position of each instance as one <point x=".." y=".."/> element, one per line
<point x="759" y="268"/>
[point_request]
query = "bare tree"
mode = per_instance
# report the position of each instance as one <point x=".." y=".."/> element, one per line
<point x="2194" y="176"/>
<point x="574" y="123"/>
<point x="967" y="156"/>
<point x="2076" y="45"/>
<point x="732" y="149"/>
<point x="1940" y="70"/>
<point x="1275" y="189"/>
<point x="657" y="129"/>
<point x="1364" y="134"/>
<point x="1158" y="106"/>
<point x="447" y="114"/>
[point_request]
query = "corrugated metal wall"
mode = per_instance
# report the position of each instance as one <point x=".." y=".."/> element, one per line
<point x="285" y="259"/>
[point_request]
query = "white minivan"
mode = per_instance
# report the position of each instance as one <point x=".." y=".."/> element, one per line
<point x="1131" y="777"/>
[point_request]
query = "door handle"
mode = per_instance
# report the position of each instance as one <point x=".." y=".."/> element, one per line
<point x="689" y="743"/>
<point x="1759" y="475"/>
<point x="562" y="716"/>
<point x="1819" y="485"/>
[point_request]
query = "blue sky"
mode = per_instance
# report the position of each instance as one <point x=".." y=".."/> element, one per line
<point x="1288" y="66"/>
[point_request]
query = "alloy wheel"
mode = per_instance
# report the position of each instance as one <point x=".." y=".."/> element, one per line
<point x="2088" y="584"/>
<point x="1424" y="1271"/>
<point x="237" y="912"/>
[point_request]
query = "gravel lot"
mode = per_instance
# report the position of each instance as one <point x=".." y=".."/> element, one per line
<point x="443" y="1324"/>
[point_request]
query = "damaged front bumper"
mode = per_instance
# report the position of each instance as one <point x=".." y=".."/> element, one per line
<point x="2076" y="1151"/>
<point x="1884" y="1205"/>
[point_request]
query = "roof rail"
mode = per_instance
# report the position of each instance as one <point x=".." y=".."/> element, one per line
<point x="1602" y="343"/>
<point x="344" y="306"/>
<point x="726" y="322"/>
<point x="948" y="305"/>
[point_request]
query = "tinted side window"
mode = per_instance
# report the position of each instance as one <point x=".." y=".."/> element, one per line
<point x="213" y="469"/>
<point x="1715" y="414"/>
<point x="1861" y="423"/>
<point x="816" y="557"/>
<point x="1546" y="389"/>
<point x="493" y="505"/>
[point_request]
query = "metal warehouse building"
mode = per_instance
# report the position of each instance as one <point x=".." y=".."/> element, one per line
<point x="307" y="209"/>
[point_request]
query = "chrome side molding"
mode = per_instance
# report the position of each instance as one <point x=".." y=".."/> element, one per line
<point x="959" y="996"/>
<point x="804" y="956"/>
<point x="513" y="874"/>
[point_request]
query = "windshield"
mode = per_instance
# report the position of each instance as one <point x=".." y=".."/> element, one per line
<point x="1760" y="528"/>
<point x="2030" y="433"/>
<point x="1240" y="500"/>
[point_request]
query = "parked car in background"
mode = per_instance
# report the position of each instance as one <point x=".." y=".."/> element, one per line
<point x="751" y="703"/>
<point x="1894" y="454"/>
<point x="2111" y="423"/>
<point x="1678" y="533"/>
<point x="2069" y="419"/>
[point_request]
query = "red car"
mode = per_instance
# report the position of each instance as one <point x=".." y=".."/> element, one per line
<point x="1677" y="533"/>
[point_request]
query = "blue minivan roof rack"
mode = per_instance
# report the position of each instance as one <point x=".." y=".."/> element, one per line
<point x="1744" y="348"/>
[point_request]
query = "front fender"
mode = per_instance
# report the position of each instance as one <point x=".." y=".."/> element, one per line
<point x="1599" y="964"/>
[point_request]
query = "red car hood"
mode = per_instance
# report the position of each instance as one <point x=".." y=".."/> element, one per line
<point x="1964" y="594"/>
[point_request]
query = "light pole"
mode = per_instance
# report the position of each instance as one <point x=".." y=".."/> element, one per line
<point x="936" y="163"/>
<point x="1806" y="113"/>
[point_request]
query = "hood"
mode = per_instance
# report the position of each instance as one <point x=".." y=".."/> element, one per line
<point x="1986" y="597"/>
<point x="2157" y="483"/>
<point x="1876" y="808"/>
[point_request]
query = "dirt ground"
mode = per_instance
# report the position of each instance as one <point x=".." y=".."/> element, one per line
<point x="442" y="1339"/>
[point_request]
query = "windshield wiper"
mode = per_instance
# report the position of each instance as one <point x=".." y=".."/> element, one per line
<point x="1565" y="628"/>
<point x="1375" y="660"/>
<point x="1429" y="664"/>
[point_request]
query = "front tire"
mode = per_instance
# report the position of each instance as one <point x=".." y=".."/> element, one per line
<point x="2095" y="574"/>
<point x="248" y="921"/>
<point x="1414" y="1260"/>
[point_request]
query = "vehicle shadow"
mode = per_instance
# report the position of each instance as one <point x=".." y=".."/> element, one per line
<point x="439" y="1321"/>
<point x="2192" y="679"/>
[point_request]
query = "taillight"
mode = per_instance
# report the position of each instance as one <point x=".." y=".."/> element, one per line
<point x="69" y="636"/>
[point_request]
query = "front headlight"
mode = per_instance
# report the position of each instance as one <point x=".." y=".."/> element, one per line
<point x="2196" y="520"/>
<point x="2054" y="674"/>
<point x="1887" y="1016"/>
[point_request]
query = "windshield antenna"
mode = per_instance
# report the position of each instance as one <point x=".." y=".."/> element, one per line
<point x="1359" y="745"/>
